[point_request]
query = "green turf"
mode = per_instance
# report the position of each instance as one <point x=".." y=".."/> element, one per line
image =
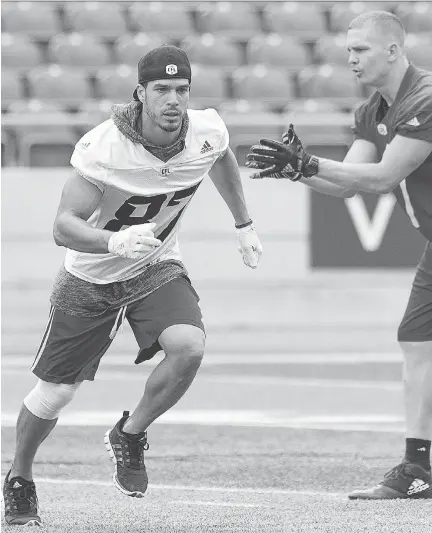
<point x="324" y="462"/>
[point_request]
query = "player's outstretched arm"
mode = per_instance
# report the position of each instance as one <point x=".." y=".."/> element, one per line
<point x="402" y="156"/>
<point x="225" y="175"/>
<point x="71" y="229"/>
<point x="361" y="151"/>
<point x="314" y="182"/>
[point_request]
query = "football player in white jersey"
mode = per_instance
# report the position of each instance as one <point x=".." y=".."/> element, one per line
<point x="119" y="218"/>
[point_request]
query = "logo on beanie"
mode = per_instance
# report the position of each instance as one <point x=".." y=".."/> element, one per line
<point x="171" y="69"/>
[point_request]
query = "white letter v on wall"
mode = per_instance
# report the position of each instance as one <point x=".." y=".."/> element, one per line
<point x="371" y="231"/>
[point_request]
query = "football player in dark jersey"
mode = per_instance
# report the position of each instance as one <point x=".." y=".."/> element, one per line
<point x="392" y="151"/>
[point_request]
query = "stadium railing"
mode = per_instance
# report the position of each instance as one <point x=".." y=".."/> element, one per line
<point x="318" y="129"/>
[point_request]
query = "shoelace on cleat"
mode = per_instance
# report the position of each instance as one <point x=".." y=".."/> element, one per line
<point x="132" y="450"/>
<point x="395" y="472"/>
<point x="22" y="500"/>
<point x="398" y="471"/>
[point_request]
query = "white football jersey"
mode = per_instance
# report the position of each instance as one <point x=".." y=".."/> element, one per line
<point x="139" y="188"/>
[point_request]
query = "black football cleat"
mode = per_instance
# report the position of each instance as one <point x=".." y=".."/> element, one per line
<point x="127" y="453"/>
<point x="406" y="480"/>
<point x="21" y="503"/>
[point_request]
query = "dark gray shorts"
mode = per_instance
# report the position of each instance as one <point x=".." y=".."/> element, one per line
<point x="416" y="324"/>
<point x="72" y="346"/>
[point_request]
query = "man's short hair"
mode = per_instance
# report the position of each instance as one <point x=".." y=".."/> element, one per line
<point x="388" y="23"/>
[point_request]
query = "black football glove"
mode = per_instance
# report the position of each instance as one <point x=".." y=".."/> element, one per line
<point x="288" y="160"/>
<point x="276" y="175"/>
<point x="288" y="173"/>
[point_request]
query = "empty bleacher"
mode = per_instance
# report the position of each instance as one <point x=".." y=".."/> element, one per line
<point x="74" y="59"/>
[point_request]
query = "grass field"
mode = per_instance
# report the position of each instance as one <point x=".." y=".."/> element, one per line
<point x="266" y="440"/>
<point x="298" y="401"/>
<point x="223" y="479"/>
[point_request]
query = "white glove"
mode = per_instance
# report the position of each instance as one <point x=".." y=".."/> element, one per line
<point x="134" y="242"/>
<point x="249" y="246"/>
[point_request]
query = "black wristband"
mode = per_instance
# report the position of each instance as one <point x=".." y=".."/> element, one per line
<point x="311" y="167"/>
<point x="245" y="225"/>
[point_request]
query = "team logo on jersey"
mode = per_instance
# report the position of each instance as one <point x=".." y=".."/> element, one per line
<point x="413" y="122"/>
<point x="171" y="69"/>
<point x="382" y="129"/>
<point x="165" y="171"/>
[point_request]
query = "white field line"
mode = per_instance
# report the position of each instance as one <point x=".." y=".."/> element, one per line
<point x="194" y="488"/>
<point x="215" y="504"/>
<point x="242" y="359"/>
<point x="324" y="383"/>
<point x="300" y="382"/>
<point x="238" y="418"/>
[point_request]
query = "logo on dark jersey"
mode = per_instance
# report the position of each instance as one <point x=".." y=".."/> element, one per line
<point x="382" y="129"/>
<point x="413" y="122"/>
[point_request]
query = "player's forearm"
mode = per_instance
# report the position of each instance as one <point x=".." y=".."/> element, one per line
<point x="225" y="175"/>
<point x="75" y="233"/>
<point x="364" y="177"/>
<point x="324" y="187"/>
<point x="232" y="193"/>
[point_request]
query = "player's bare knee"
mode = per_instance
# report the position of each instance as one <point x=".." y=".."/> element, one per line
<point x="188" y="352"/>
<point x="46" y="400"/>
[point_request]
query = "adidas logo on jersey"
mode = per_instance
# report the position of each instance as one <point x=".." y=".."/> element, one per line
<point x="207" y="147"/>
<point x="413" y="122"/>
<point x="418" y="485"/>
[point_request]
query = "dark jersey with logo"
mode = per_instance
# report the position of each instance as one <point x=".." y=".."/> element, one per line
<point x="410" y="115"/>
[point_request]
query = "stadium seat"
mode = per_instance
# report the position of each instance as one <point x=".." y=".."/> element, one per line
<point x="304" y="19"/>
<point x="235" y="19"/>
<point x="116" y="83"/>
<point x="212" y="50"/>
<point x="98" y="110"/>
<point x="168" y="18"/>
<point x="310" y="105"/>
<point x="33" y="106"/>
<point x="270" y="85"/>
<point x="331" y="49"/>
<point x="242" y="107"/>
<point x="47" y="147"/>
<point x="130" y="48"/>
<point x="104" y="19"/>
<point x="248" y="121"/>
<point x="12" y="87"/>
<point x="419" y="49"/>
<point x="274" y="49"/>
<point x="8" y="151"/>
<point x="78" y="50"/>
<point x="33" y="19"/>
<point x="329" y="82"/>
<point x="416" y="17"/>
<point x="342" y="13"/>
<point x="209" y="87"/>
<point x="42" y="143"/>
<point x="59" y="84"/>
<point x="18" y="51"/>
